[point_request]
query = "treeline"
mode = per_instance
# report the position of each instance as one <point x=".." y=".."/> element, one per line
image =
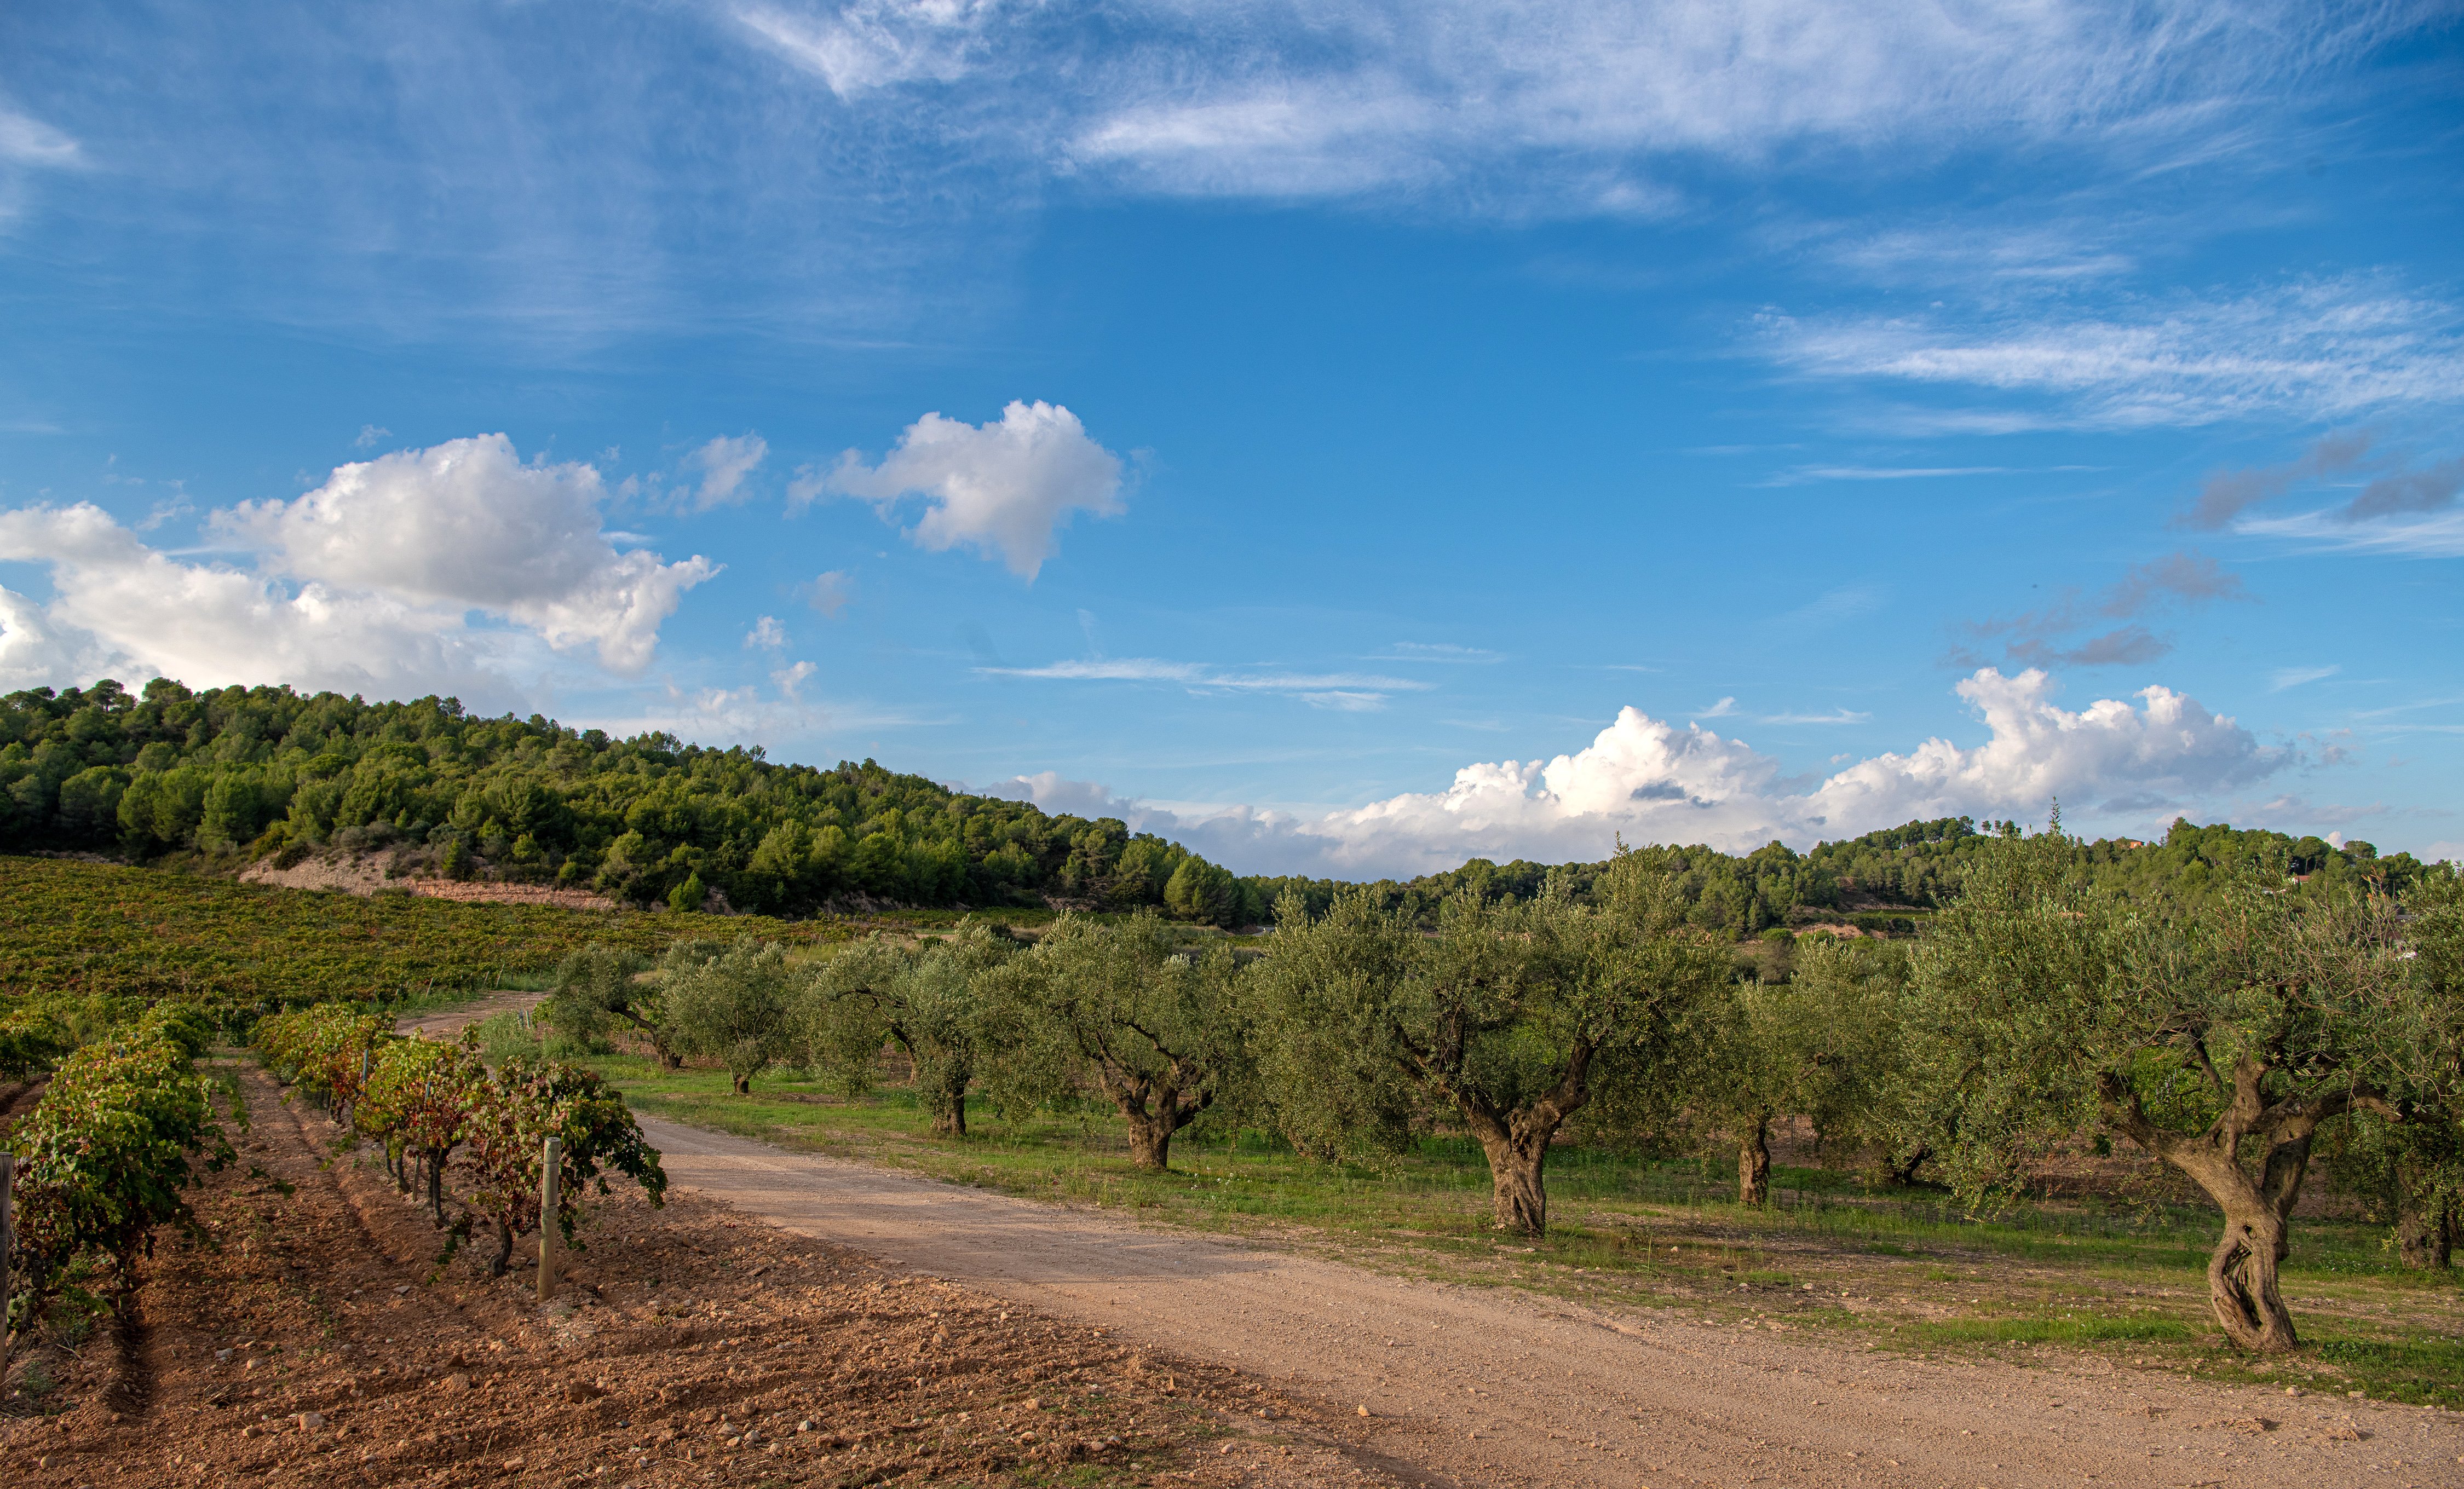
<point x="2230" y="1034"/>
<point x="235" y="774"/>
<point x="269" y="771"/>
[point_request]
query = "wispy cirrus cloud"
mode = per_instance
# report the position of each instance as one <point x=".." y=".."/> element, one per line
<point x="2401" y="507"/>
<point x="1349" y="691"/>
<point x="2285" y="677"/>
<point x="840" y="163"/>
<point x="2316" y="350"/>
<point x="1439" y="651"/>
<point x="1805" y="476"/>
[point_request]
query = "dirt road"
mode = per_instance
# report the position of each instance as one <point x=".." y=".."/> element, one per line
<point x="1480" y="1388"/>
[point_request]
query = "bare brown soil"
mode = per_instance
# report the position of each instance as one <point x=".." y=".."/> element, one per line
<point x="317" y="1339"/>
<point x="366" y="873"/>
<point x="1492" y="1385"/>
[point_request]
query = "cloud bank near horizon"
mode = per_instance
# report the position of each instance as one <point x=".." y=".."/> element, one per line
<point x="1649" y="781"/>
<point x="369" y="582"/>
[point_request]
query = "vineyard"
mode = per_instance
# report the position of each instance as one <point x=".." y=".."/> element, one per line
<point x="87" y="928"/>
<point x="304" y="1333"/>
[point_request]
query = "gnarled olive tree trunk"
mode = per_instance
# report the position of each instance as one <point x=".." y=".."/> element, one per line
<point x="2424" y="1220"/>
<point x="1516" y="1151"/>
<point x="1155" y="1110"/>
<point x="2257" y="1189"/>
<point x="1754" y="1161"/>
<point x="1516" y="1143"/>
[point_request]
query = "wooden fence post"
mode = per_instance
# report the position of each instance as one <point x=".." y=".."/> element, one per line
<point x="8" y="1241"/>
<point x="551" y="1157"/>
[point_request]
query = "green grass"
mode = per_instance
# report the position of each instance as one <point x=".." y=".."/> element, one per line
<point x="1908" y="1270"/>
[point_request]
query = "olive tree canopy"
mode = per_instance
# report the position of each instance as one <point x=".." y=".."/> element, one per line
<point x="1120" y="1009"/>
<point x="2217" y="1036"/>
<point x="1514" y="1015"/>
<point x="730" y="1005"/>
<point x="927" y="998"/>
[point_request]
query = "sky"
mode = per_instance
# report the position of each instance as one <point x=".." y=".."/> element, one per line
<point x="1346" y="438"/>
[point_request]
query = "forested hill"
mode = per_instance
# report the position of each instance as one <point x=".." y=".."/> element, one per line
<point x="235" y="774"/>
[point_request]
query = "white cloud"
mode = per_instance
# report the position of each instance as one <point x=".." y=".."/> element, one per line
<point x="123" y="608"/>
<point x="468" y="523"/>
<point x="791" y="679"/>
<point x="1548" y="103"/>
<point x="2435" y="534"/>
<point x="2315" y="350"/>
<point x="368" y="436"/>
<point x="27" y="141"/>
<point x="874" y="44"/>
<point x="724" y="463"/>
<point x="2284" y="677"/>
<point x="1652" y="781"/>
<point x="367" y="581"/>
<point x="1348" y="692"/>
<point x="766" y="633"/>
<point x="1002" y="488"/>
<point x="1439" y="651"/>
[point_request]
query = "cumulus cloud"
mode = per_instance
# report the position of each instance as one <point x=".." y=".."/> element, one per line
<point x="766" y="633"/>
<point x="2034" y="639"/>
<point x="121" y="607"/>
<point x="1002" y="488"/>
<point x="1652" y="781"/>
<point x="468" y="523"/>
<point x="791" y="679"/>
<point x="367" y="581"/>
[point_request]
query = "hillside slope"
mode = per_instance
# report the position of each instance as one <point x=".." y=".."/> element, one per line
<point x="237" y="775"/>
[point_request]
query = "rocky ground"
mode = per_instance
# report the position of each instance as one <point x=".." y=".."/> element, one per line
<point x="315" y="1337"/>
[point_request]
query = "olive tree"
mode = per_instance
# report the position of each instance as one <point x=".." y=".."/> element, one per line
<point x="597" y="985"/>
<point x="1821" y="1045"/>
<point x="1120" y="1009"/>
<point x="730" y="1005"/>
<point x="928" y="998"/>
<point x="2217" y="1036"/>
<point x="1514" y="1015"/>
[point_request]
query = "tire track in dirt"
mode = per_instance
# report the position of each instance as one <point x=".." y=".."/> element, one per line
<point x="1495" y="1387"/>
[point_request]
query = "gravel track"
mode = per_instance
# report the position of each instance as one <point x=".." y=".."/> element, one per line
<point x="1495" y="1387"/>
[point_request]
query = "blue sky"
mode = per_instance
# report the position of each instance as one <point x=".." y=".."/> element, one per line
<point x="1347" y="438"/>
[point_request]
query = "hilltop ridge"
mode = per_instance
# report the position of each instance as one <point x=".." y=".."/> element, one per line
<point x="226" y="778"/>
